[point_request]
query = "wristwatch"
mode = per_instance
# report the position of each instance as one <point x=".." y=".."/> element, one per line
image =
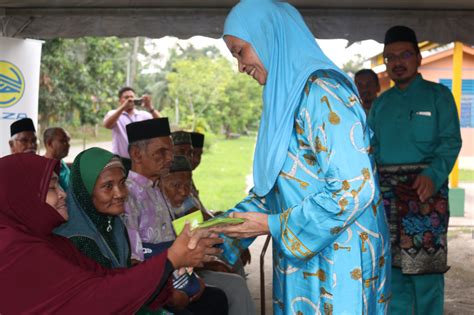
<point x="151" y="110"/>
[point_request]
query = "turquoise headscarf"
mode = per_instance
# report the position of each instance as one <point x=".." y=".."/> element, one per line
<point x="290" y="54"/>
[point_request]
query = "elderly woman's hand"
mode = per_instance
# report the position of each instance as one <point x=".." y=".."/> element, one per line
<point x="193" y="248"/>
<point x="255" y="224"/>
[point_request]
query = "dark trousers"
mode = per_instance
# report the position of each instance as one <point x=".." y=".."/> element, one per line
<point x="212" y="302"/>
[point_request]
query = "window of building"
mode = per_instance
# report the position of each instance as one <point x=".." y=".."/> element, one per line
<point x="467" y="101"/>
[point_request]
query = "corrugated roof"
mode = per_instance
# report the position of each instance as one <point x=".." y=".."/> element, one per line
<point x="436" y="20"/>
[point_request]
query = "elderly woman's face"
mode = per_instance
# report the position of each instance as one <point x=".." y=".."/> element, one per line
<point x="110" y="191"/>
<point x="247" y="58"/>
<point x="56" y="197"/>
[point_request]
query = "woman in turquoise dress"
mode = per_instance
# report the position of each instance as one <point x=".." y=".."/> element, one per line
<point x="315" y="189"/>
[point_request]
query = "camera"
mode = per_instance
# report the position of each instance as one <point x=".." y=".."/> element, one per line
<point x="138" y="101"/>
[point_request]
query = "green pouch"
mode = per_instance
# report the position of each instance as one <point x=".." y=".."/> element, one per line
<point x="194" y="219"/>
<point x="220" y="221"/>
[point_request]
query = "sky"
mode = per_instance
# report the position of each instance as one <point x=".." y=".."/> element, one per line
<point x="335" y="49"/>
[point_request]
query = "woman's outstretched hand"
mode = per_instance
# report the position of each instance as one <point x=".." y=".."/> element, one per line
<point x="193" y="248"/>
<point x="255" y="224"/>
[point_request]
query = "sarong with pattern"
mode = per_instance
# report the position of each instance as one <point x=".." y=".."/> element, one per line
<point x="418" y="229"/>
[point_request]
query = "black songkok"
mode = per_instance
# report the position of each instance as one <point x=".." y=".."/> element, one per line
<point x="180" y="164"/>
<point x="148" y="129"/>
<point x="197" y="139"/>
<point x="400" y="33"/>
<point x="181" y="137"/>
<point x="24" y="124"/>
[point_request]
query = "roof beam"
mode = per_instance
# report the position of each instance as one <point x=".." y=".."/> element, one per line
<point x="355" y="24"/>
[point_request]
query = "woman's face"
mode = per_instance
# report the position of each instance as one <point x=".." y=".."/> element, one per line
<point x="247" y="58"/>
<point x="110" y="192"/>
<point x="56" y="197"/>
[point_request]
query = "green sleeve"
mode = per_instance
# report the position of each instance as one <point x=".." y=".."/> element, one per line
<point x="448" y="139"/>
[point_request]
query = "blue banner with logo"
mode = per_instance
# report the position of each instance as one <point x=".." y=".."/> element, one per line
<point x="20" y="61"/>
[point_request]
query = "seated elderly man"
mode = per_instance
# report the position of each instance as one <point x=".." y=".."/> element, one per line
<point x="189" y="145"/>
<point x="56" y="141"/>
<point x="182" y="144"/>
<point x="197" y="142"/>
<point x="148" y="219"/>
<point x="23" y="137"/>
<point x="176" y="188"/>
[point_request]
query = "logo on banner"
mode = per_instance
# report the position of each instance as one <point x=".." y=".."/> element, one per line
<point x="12" y="84"/>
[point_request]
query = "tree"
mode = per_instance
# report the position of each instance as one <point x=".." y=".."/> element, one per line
<point x="80" y="78"/>
<point x="151" y="78"/>
<point x="197" y="88"/>
<point x="353" y="65"/>
<point x="209" y="93"/>
<point x="244" y="107"/>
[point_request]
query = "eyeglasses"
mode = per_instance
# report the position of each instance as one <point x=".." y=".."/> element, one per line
<point x="403" y="56"/>
<point x="26" y="141"/>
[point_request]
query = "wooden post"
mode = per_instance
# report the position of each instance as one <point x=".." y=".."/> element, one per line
<point x="262" y="275"/>
<point x="457" y="92"/>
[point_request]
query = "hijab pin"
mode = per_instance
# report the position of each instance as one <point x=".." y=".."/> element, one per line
<point x="109" y="226"/>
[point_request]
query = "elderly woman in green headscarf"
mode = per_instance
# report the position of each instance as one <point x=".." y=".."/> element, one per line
<point x="95" y="200"/>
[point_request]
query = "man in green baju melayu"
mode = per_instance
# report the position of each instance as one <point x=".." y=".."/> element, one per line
<point x="416" y="142"/>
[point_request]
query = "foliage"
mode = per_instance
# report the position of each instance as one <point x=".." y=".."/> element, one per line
<point x="466" y="175"/>
<point x="353" y="65"/>
<point x="197" y="88"/>
<point x="154" y="81"/>
<point x="221" y="177"/>
<point x="243" y="110"/>
<point x="79" y="79"/>
<point x="206" y="93"/>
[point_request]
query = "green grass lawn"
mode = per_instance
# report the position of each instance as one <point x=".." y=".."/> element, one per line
<point x="78" y="134"/>
<point x="221" y="176"/>
<point x="466" y="176"/>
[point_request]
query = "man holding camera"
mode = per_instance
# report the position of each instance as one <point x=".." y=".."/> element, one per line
<point x="125" y="114"/>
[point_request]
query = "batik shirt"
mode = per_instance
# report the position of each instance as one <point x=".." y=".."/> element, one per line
<point x="146" y="216"/>
<point x="331" y="246"/>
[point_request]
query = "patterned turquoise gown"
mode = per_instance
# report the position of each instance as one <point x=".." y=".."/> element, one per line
<point x="331" y="251"/>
